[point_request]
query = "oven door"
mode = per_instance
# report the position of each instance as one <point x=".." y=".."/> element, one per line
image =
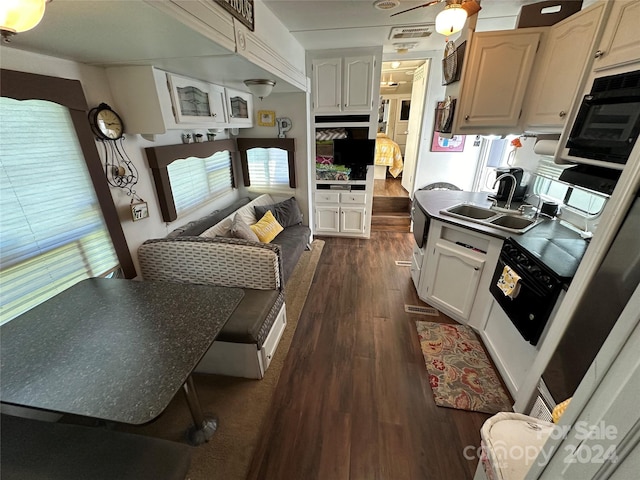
<point x="529" y="311"/>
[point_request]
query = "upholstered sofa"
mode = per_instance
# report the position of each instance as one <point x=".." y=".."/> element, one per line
<point x="203" y="253"/>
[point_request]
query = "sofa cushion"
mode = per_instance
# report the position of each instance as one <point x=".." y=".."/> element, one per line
<point x="223" y="227"/>
<point x="239" y="229"/>
<point x="195" y="228"/>
<point x="267" y="227"/>
<point x="38" y="450"/>
<point x="292" y="241"/>
<point x="287" y="213"/>
<point x="252" y="316"/>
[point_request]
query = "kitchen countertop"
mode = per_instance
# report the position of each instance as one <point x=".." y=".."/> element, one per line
<point x="556" y="246"/>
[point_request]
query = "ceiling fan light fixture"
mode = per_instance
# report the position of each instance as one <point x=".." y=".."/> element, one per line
<point x="18" y="16"/>
<point x="451" y="20"/>
<point x="260" y="87"/>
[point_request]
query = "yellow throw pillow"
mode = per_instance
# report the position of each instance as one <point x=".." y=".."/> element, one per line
<point x="267" y="228"/>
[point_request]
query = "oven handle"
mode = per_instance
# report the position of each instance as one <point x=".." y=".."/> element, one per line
<point x="525" y="279"/>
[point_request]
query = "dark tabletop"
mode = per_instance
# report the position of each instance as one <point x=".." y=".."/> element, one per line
<point x="112" y="349"/>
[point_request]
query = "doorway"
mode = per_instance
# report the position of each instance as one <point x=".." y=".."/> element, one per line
<point x="391" y="202"/>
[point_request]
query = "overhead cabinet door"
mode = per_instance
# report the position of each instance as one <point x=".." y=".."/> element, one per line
<point x="358" y="77"/>
<point x="496" y="79"/>
<point x="327" y="84"/>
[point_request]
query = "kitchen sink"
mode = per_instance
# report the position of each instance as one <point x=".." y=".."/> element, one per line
<point x="491" y="218"/>
<point x="515" y="223"/>
<point x="472" y="211"/>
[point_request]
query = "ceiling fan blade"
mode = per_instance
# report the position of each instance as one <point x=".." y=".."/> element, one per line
<point x="419" y="6"/>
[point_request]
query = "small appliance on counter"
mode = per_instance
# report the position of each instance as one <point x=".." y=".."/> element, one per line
<point x="505" y="185"/>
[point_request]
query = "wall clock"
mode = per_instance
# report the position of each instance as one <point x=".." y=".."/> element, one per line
<point x="105" y="123"/>
<point x="119" y="170"/>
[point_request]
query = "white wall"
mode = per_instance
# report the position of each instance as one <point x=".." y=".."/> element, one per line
<point x="97" y="90"/>
<point x="457" y="168"/>
<point x="293" y="106"/>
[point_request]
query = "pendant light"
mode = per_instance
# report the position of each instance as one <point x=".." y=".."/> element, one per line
<point x="451" y="20"/>
<point x="19" y="16"/>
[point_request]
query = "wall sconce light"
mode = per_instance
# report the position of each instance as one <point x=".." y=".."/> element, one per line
<point x="451" y="20"/>
<point x="260" y="87"/>
<point x="19" y="16"/>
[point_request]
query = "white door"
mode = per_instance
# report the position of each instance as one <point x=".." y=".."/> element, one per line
<point x="352" y="219"/>
<point x="415" y="126"/>
<point x="327" y="219"/>
<point x="358" y="83"/>
<point x="327" y="84"/>
<point x="401" y="129"/>
<point x="454" y="279"/>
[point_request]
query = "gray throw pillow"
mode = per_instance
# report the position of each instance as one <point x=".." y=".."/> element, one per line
<point x="240" y="229"/>
<point x="287" y="213"/>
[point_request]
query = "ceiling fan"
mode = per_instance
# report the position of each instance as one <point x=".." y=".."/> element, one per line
<point x="470" y="6"/>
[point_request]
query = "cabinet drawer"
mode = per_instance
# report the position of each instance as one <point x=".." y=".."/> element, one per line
<point x="273" y="339"/>
<point x="327" y="197"/>
<point x="359" y="198"/>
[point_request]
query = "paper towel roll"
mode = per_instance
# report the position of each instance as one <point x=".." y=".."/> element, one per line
<point x="546" y="147"/>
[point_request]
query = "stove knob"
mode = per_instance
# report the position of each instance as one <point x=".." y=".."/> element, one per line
<point x="535" y="271"/>
<point x="532" y="316"/>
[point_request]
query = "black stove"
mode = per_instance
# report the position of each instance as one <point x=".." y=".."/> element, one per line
<point x="560" y="256"/>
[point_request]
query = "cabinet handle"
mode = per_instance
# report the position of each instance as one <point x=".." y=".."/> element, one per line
<point x="562" y="114"/>
<point x="476" y="268"/>
<point x="466" y="117"/>
<point x="338" y="105"/>
<point x="598" y="53"/>
<point x="214" y="114"/>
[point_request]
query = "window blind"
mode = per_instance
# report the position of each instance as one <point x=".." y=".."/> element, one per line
<point x="268" y="167"/>
<point x="52" y="233"/>
<point x="197" y="180"/>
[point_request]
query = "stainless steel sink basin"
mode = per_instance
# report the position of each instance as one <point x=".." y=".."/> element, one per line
<point x="472" y="211"/>
<point x="514" y="223"/>
<point x="491" y="218"/>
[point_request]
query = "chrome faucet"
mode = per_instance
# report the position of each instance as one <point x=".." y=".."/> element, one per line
<point x="513" y="187"/>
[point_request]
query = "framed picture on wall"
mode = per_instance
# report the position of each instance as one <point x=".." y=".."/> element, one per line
<point x="453" y="144"/>
<point x="266" y="118"/>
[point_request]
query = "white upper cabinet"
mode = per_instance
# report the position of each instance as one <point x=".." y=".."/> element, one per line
<point x="154" y="101"/>
<point x="343" y="84"/>
<point x="495" y="81"/>
<point x="327" y="85"/>
<point x="560" y="71"/>
<point x="358" y="83"/>
<point x="195" y="102"/>
<point x="619" y="45"/>
<point x="239" y="108"/>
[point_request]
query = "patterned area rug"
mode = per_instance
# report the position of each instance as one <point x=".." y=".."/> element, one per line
<point x="460" y="374"/>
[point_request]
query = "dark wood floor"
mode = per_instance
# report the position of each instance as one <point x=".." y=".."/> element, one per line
<point x="353" y="401"/>
<point x="389" y="187"/>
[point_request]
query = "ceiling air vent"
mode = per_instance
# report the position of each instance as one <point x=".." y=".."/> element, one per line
<point x="386" y="4"/>
<point x="417" y="31"/>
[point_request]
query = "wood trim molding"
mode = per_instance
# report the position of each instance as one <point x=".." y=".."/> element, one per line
<point x="160" y="158"/>
<point x="69" y="93"/>
<point x="287" y="144"/>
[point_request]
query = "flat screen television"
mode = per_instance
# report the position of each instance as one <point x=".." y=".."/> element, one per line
<point x="355" y="154"/>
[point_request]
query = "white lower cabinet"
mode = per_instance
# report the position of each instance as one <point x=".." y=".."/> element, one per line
<point x="453" y="277"/>
<point x="457" y="267"/>
<point x="416" y="265"/>
<point x="344" y="211"/>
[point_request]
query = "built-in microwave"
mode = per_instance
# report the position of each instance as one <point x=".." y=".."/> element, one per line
<point x="607" y="124"/>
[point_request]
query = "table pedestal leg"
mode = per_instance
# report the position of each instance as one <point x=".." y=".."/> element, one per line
<point x="204" y="426"/>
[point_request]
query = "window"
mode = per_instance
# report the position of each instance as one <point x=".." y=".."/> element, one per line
<point x="197" y="180"/>
<point x="187" y="175"/>
<point x="547" y="185"/>
<point x="53" y="231"/>
<point x="268" y="162"/>
<point x="268" y="167"/>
